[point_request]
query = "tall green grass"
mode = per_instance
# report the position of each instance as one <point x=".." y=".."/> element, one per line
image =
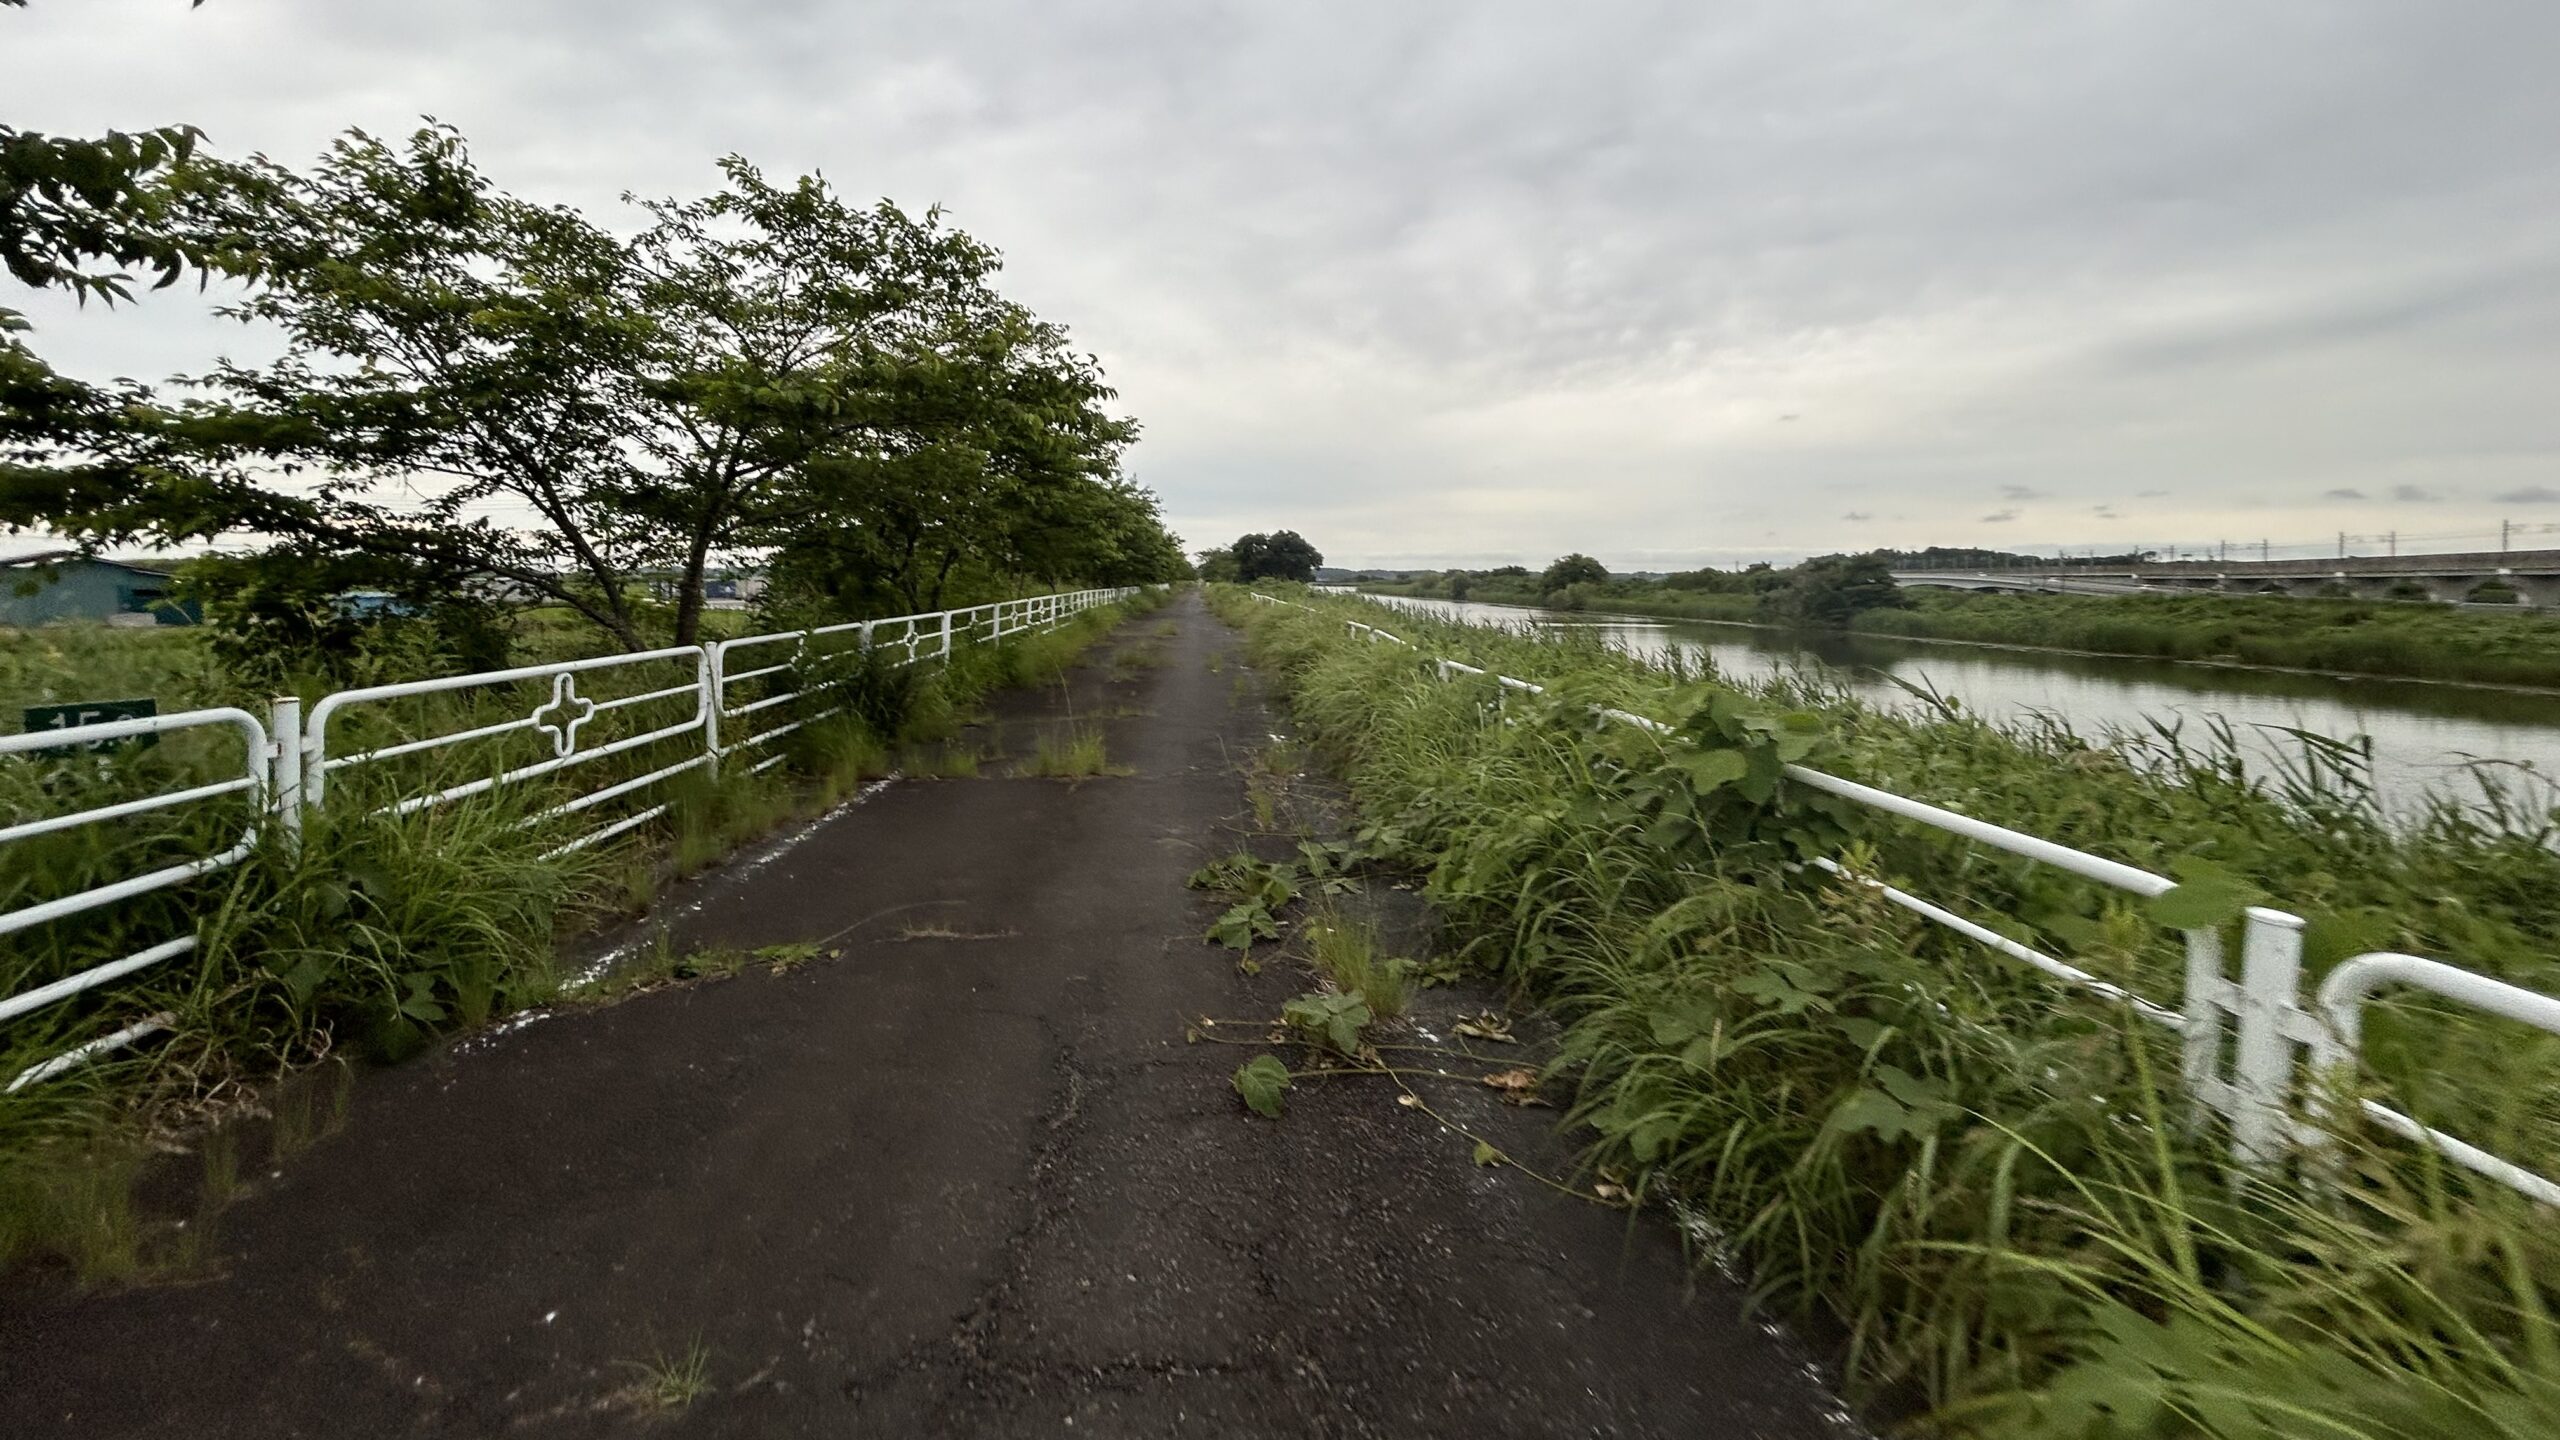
<point x="1988" y="1187"/>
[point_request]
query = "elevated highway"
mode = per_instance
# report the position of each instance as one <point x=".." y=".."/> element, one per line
<point x="2534" y="576"/>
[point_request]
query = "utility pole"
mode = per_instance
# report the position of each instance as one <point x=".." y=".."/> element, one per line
<point x="2262" y="549"/>
<point x="2394" y="539"/>
<point x="2342" y="544"/>
<point x="2506" y="528"/>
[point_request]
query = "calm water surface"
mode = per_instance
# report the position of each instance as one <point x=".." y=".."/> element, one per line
<point x="2423" y="734"/>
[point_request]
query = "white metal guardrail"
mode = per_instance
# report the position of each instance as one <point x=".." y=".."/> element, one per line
<point x="2260" y="1018"/>
<point x="668" y="706"/>
<point x="251" y="781"/>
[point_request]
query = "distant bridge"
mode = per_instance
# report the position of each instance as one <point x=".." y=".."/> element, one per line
<point x="2534" y="575"/>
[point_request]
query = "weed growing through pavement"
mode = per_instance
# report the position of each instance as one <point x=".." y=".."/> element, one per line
<point x="1345" y="951"/>
<point x="949" y="932"/>
<point x="1269" y="776"/>
<point x="1076" y="754"/>
<point x="1129" y="664"/>
<point x="661" y="964"/>
<point x="947" y="761"/>
<point x="673" y="1380"/>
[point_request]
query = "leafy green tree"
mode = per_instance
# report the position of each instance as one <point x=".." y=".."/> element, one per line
<point x="482" y="386"/>
<point x="1576" y="569"/>
<point x="1832" y="590"/>
<point x="79" y="215"/>
<point x="1280" y="555"/>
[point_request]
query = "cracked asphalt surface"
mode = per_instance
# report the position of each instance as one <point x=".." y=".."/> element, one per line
<point x="966" y="1179"/>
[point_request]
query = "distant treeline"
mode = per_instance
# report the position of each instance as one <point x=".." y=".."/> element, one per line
<point x="1857" y="594"/>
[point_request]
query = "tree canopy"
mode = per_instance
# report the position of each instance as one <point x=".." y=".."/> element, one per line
<point x="481" y="389"/>
<point x="1575" y="569"/>
<point x="1831" y="590"/>
<point x="1281" y="555"/>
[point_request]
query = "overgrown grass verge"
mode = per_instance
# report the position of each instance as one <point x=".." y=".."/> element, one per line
<point x="374" y="934"/>
<point x="1989" y="1188"/>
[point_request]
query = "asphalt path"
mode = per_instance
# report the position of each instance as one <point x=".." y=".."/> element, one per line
<point x="965" y="1177"/>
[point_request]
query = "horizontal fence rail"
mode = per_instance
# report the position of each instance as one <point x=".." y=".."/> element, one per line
<point x="592" y="732"/>
<point x="2276" y="1045"/>
<point x="252" y="781"/>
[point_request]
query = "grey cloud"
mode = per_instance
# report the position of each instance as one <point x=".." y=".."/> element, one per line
<point x="2530" y="495"/>
<point x="2414" y="495"/>
<point x="1342" y="270"/>
<point x="2342" y="493"/>
<point x="1857" y="515"/>
<point x="1999" y="517"/>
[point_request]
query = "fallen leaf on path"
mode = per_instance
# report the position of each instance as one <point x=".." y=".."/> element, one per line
<point x="1518" y="1086"/>
<point x="1487" y="1155"/>
<point x="1491" y="1025"/>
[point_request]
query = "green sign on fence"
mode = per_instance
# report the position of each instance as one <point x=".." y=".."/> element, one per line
<point x="93" y="712"/>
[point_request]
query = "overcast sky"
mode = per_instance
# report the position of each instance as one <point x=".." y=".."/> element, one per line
<point x="1463" y="283"/>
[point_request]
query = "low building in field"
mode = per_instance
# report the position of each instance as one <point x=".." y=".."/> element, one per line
<point x="64" y="587"/>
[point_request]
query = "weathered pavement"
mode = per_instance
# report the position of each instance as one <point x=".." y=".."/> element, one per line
<point x="945" y="1186"/>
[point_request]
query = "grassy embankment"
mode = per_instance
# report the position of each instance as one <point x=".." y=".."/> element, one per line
<point x="2427" y="642"/>
<point x="1990" y="1186"/>
<point x="381" y="933"/>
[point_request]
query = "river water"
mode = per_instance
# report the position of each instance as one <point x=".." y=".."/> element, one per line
<point x="2422" y="733"/>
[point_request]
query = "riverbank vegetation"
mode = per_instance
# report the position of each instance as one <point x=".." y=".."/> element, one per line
<point x="2403" y="639"/>
<point x="1990" y="1189"/>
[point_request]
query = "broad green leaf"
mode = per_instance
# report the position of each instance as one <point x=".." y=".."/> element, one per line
<point x="1260" y="1081"/>
<point x="1871" y="1110"/>
<point x="1242" y="925"/>
<point x="1713" y="769"/>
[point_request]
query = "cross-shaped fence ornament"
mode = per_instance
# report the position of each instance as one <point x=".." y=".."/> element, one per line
<point x="574" y="710"/>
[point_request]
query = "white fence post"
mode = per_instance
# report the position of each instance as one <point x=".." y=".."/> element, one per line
<point x="284" y="783"/>
<point x="2210" y="1001"/>
<point x="715" y="690"/>
<point x="946" y="634"/>
<point x="2262" y="1057"/>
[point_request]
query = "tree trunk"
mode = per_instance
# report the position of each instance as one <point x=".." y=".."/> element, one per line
<point x="689" y="593"/>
